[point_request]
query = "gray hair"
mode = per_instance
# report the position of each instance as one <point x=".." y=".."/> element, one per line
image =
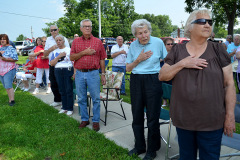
<point x="229" y="36"/>
<point x="192" y="17"/>
<point x="54" y="26"/>
<point x="237" y="36"/>
<point x="140" y="23"/>
<point x="85" y="20"/>
<point x="61" y="36"/>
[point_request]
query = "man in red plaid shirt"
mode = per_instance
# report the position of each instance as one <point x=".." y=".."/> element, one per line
<point x="89" y="55"/>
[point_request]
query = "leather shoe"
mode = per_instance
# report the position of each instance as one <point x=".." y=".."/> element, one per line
<point x="150" y="156"/>
<point x="96" y="126"/>
<point x="83" y="124"/>
<point x="134" y="151"/>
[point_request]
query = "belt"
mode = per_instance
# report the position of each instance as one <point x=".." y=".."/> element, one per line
<point x="86" y="70"/>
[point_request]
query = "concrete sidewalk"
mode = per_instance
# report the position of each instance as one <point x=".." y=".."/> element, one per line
<point x="120" y="130"/>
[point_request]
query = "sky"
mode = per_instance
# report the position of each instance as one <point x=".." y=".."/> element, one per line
<point x="19" y="16"/>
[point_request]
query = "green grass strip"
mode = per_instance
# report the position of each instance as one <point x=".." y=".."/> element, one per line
<point x="32" y="130"/>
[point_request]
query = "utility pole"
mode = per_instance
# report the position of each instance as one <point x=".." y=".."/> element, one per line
<point x="182" y="23"/>
<point x="31" y="32"/>
<point x="99" y="17"/>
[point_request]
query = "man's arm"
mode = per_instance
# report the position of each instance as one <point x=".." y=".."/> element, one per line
<point x="118" y="53"/>
<point x="102" y="66"/>
<point x="230" y="100"/>
<point x="47" y="52"/>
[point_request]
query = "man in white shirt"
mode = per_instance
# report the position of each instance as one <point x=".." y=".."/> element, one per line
<point x="119" y="55"/>
<point x="50" y="46"/>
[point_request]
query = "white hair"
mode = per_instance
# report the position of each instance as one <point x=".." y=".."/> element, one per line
<point x="54" y="26"/>
<point x="85" y="20"/>
<point x="192" y="17"/>
<point x="61" y="36"/>
<point x="140" y="23"/>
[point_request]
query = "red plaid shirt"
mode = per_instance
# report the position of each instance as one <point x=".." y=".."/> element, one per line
<point x="88" y="61"/>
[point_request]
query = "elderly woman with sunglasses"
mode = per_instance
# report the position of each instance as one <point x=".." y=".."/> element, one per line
<point x="8" y="57"/>
<point x="203" y="93"/>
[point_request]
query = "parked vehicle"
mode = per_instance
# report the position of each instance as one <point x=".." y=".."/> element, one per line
<point x="110" y="42"/>
<point x="21" y="44"/>
<point x="26" y="50"/>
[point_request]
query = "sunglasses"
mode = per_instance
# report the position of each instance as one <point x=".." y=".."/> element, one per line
<point x="202" y="21"/>
<point x="169" y="44"/>
<point x="43" y="41"/>
<point x="53" y="30"/>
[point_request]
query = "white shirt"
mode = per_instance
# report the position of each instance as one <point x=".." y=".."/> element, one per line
<point x="66" y="63"/>
<point x="120" y="60"/>
<point x="51" y="42"/>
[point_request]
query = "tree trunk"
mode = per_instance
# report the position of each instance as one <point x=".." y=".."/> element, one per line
<point x="231" y="25"/>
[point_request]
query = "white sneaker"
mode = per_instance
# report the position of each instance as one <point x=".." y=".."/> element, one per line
<point x="27" y="89"/>
<point x="49" y="90"/>
<point x="55" y="104"/>
<point x="36" y="91"/>
<point x="69" y="113"/>
<point x="62" y="111"/>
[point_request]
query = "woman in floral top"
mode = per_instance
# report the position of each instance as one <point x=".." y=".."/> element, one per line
<point x="8" y="57"/>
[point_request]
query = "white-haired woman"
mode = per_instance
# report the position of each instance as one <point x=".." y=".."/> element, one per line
<point x="203" y="93"/>
<point x="63" y="73"/>
<point x="146" y="90"/>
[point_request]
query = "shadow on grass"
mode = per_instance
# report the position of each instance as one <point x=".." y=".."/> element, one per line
<point x="32" y="129"/>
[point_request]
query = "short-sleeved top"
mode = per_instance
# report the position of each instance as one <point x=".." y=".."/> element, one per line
<point x="9" y="52"/>
<point x="152" y="64"/>
<point x="227" y="43"/>
<point x="41" y="63"/>
<point x="198" y="96"/>
<point x="34" y="64"/>
<point x="51" y="42"/>
<point x="66" y="62"/>
<point x="120" y="60"/>
<point x="231" y="47"/>
<point x="88" y="61"/>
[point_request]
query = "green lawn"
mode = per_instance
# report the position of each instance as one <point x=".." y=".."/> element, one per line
<point x="34" y="130"/>
<point x="22" y="59"/>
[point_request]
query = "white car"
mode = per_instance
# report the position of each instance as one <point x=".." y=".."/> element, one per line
<point x="20" y="44"/>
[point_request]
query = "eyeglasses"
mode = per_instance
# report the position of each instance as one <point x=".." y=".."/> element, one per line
<point x="87" y="26"/>
<point x="43" y="41"/>
<point x="202" y="21"/>
<point x="169" y="44"/>
<point x="76" y="36"/>
<point x="53" y="30"/>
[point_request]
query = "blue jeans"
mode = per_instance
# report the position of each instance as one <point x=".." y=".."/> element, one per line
<point x="120" y="69"/>
<point x="7" y="79"/>
<point x="207" y="142"/>
<point x="91" y="81"/>
<point x="65" y="86"/>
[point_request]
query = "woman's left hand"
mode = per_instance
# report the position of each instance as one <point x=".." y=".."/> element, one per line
<point x="229" y="125"/>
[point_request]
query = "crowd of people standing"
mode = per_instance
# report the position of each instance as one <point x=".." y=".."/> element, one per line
<point x="203" y="94"/>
